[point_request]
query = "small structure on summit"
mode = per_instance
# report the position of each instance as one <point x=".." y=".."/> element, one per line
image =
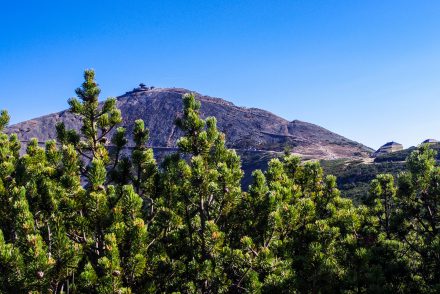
<point x="430" y="141"/>
<point x="142" y="88"/>
<point x="389" y="147"/>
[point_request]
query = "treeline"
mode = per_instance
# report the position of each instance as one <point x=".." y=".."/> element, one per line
<point x="80" y="217"/>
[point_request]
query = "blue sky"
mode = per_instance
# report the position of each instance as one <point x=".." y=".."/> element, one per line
<point x="369" y="70"/>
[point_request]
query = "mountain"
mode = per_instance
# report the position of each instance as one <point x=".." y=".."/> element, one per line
<point x="246" y="129"/>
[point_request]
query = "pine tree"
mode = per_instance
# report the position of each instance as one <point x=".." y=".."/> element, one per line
<point x="418" y="217"/>
<point x="4" y="119"/>
<point x="114" y="230"/>
<point x="34" y="223"/>
<point x="383" y="193"/>
<point x="97" y="122"/>
<point x="202" y="186"/>
<point x="59" y="235"/>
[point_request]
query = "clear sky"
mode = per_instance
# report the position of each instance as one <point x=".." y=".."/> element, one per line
<point x="368" y="70"/>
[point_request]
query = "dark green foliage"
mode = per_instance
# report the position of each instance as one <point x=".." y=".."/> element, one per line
<point x="86" y="215"/>
<point x="201" y="193"/>
<point x="402" y="155"/>
<point x="4" y="119"/>
<point x="397" y="156"/>
<point x="98" y="120"/>
<point x="354" y="177"/>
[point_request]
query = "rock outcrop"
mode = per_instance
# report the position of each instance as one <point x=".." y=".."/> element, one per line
<point x="389" y="147"/>
<point x="430" y="141"/>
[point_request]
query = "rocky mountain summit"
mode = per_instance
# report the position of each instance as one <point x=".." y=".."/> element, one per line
<point x="389" y="147"/>
<point x="246" y="129"/>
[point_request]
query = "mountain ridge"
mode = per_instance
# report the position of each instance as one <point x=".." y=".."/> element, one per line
<point x="245" y="128"/>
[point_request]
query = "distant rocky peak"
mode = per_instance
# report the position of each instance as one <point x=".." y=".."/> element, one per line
<point x="245" y="128"/>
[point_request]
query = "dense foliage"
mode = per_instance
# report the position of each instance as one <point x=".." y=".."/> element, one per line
<point x="87" y="214"/>
<point x="354" y="176"/>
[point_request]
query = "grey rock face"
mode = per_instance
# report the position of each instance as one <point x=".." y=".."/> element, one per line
<point x="245" y="128"/>
<point x="389" y="147"/>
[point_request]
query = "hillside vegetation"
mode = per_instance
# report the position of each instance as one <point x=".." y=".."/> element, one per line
<point x="86" y="214"/>
<point x="354" y="176"/>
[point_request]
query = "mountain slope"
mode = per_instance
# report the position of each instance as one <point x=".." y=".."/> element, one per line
<point x="245" y="128"/>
